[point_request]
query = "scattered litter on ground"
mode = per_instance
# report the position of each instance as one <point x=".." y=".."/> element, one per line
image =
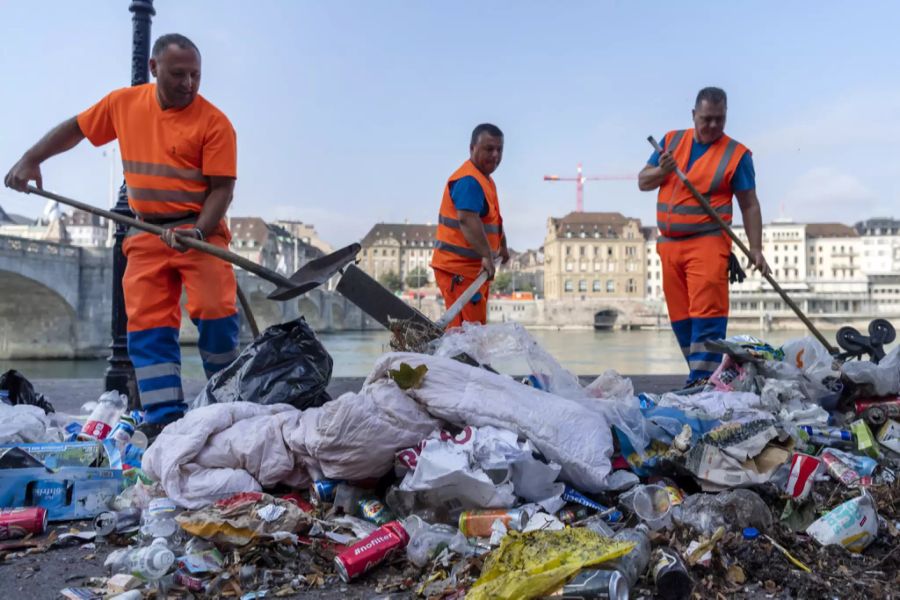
<point x="439" y="479"/>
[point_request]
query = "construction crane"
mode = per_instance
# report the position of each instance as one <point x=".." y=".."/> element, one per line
<point x="579" y="180"/>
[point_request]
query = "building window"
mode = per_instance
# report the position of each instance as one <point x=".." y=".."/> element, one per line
<point x="609" y="251"/>
<point x="597" y="287"/>
<point x="569" y="267"/>
<point x="630" y="287"/>
<point x="581" y="251"/>
<point x="630" y="251"/>
<point x="568" y="285"/>
<point x="582" y="285"/>
<point x="568" y="251"/>
<point x="610" y="286"/>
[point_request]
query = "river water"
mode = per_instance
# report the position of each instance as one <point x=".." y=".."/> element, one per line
<point x="584" y="352"/>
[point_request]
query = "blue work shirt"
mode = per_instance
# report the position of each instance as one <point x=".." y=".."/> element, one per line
<point x="467" y="194"/>
<point x="744" y="176"/>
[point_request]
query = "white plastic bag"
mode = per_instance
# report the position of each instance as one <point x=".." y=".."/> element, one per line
<point x="883" y="377"/>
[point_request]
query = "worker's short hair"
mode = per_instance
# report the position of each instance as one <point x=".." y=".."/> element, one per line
<point x="164" y="41"/>
<point x="713" y="95"/>
<point x="491" y="130"/>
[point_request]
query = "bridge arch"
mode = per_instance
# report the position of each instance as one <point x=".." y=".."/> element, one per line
<point x="35" y="320"/>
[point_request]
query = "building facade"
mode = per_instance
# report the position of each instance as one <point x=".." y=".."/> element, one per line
<point x="594" y="255"/>
<point x="399" y="248"/>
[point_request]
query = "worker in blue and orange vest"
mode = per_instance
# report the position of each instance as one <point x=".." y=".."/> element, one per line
<point x="470" y="235"/>
<point x="179" y="154"/>
<point x="694" y="251"/>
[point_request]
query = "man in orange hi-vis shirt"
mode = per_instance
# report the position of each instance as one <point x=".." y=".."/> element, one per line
<point x="180" y="160"/>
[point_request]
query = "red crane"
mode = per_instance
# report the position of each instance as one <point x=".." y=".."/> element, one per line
<point x="579" y="183"/>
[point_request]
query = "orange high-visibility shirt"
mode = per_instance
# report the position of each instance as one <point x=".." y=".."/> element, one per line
<point x="168" y="155"/>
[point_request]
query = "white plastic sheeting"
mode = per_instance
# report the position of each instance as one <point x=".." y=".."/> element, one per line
<point x="225" y="448"/>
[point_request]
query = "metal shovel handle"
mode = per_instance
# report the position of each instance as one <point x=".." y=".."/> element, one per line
<point x="231" y="257"/>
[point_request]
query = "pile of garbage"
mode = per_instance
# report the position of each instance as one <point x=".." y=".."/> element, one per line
<point x="440" y="479"/>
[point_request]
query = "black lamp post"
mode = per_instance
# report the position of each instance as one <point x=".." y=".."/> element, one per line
<point x="120" y="373"/>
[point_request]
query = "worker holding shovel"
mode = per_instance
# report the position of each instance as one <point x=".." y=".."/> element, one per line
<point x="470" y="234"/>
<point x="694" y="249"/>
<point x="180" y="161"/>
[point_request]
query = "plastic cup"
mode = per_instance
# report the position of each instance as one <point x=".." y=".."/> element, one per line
<point x="653" y="506"/>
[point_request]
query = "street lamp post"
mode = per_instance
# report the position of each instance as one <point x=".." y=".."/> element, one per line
<point x="120" y="373"/>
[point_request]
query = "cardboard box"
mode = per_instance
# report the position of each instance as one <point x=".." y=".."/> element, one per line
<point x="72" y="480"/>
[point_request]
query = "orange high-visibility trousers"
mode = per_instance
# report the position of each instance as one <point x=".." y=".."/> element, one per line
<point x="452" y="286"/>
<point x="152" y="284"/>
<point x="695" y="283"/>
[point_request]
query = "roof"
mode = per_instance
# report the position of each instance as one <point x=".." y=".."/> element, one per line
<point x="80" y="218"/>
<point x="13" y="219"/>
<point x="819" y="230"/>
<point x="605" y="224"/>
<point x="249" y="228"/>
<point x="402" y="232"/>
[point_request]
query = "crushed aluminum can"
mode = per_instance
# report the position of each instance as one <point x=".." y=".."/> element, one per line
<point x="373" y="550"/>
<point x="842" y="472"/>
<point x="479" y="523"/>
<point x="122" y="521"/>
<point x="323" y="490"/>
<point x="828" y="432"/>
<point x="374" y="511"/>
<point x="19" y="522"/>
<point x="594" y="584"/>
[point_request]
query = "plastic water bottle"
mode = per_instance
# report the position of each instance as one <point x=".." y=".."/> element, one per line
<point x="151" y="562"/>
<point x="105" y="415"/>
<point x="159" y="519"/>
<point x="634" y="564"/>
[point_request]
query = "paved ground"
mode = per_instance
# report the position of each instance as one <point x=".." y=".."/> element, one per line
<point x="41" y="576"/>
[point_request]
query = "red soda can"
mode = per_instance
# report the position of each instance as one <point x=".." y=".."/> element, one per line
<point x="375" y="549"/>
<point x="19" y="522"/>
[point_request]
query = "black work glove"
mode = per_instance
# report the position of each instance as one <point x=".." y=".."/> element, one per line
<point x="736" y="273"/>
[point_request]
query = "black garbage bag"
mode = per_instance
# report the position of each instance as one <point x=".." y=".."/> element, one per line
<point x="21" y="391"/>
<point x="287" y="364"/>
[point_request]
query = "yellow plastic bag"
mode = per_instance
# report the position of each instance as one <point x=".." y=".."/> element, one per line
<point x="528" y="565"/>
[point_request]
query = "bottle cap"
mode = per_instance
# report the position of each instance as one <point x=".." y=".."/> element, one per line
<point x="751" y="533"/>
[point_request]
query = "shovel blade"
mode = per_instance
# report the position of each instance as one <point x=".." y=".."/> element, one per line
<point x="378" y="302"/>
<point x="315" y="273"/>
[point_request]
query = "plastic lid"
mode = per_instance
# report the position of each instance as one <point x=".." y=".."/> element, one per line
<point x="751" y="533"/>
<point x="162" y="560"/>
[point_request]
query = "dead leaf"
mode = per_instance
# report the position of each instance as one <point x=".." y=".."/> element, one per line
<point x="735" y="574"/>
<point x="771" y="586"/>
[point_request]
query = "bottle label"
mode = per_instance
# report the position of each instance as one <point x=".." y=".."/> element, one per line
<point x="96" y="429"/>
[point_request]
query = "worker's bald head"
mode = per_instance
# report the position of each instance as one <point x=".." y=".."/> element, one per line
<point x="175" y="62"/>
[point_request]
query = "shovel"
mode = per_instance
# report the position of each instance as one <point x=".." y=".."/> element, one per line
<point x="379" y="303"/>
<point x="308" y="277"/>
<point x="727" y="229"/>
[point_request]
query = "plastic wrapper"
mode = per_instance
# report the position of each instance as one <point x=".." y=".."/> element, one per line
<point x="490" y="343"/>
<point x="529" y="565"/>
<point x="287" y="364"/>
<point x="244" y="517"/>
<point x="734" y="510"/>
<point x="426" y="541"/>
<point x="24" y="424"/>
<point x="853" y="525"/>
<point x="479" y="468"/>
<point x="884" y="378"/>
<point x="612" y="394"/>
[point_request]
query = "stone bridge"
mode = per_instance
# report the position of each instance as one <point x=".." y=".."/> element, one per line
<point x="56" y="302"/>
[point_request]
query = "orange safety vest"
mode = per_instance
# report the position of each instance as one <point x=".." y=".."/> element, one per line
<point x="678" y="214"/>
<point x="452" y="252"/>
